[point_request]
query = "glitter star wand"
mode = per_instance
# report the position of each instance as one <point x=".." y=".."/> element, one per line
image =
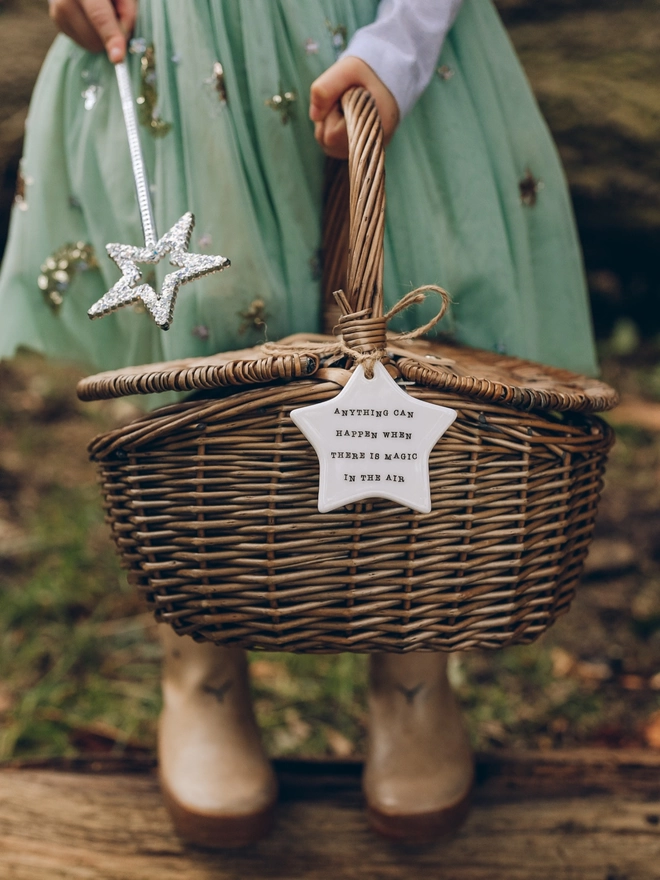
<point x="131" y="287"/>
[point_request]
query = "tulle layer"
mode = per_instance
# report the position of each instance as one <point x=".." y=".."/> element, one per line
<point x="476" y="198"/>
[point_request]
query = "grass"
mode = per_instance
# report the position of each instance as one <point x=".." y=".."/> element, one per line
<point x="64" y="667"/>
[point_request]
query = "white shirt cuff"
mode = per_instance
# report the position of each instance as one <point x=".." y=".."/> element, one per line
<point x="403" y="44"/>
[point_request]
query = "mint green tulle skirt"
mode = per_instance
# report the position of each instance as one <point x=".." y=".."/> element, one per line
<point x="476" y="197"/>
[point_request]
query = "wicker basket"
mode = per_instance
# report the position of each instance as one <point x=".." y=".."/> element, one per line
<point x="213" y="501"/>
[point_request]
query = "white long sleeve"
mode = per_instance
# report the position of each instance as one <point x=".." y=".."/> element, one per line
<point x="403" y="44"/>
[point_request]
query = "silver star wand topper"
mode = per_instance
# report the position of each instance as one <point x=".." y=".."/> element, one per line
<point x="131" y="287"/>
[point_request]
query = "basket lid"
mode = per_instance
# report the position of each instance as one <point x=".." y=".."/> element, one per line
<point x="467" y="372"/>
<point x="249" y="366"/>
<point x="497" y="378"/>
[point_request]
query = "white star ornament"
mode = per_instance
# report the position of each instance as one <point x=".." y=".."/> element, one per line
<point x="373" y="440"/>
<point x="130" y="288"/>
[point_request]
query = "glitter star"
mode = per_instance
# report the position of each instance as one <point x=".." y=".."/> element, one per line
<point x="131" y="288"/>
<point x="373" y="440"/>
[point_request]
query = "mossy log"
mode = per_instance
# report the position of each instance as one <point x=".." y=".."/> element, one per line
<point x="595" y="69"/>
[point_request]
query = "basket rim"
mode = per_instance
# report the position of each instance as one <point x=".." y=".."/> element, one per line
<point x="468" y="372"/>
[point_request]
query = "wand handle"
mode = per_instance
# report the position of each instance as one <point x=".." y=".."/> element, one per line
<point x="137" y="159"/>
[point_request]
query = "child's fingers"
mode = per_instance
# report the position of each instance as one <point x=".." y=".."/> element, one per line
<point x="103" y="18"/>
<point x="326" y="91"/>
<point x="72" y="21"/>
<point x="330" y="86"/>
<point x="127" y="14"/>
<point x="332" y="136"/>
<point x="335" y="136"/>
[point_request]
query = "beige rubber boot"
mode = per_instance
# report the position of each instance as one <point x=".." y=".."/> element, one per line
<point x="216" y="779"/>
<point x="419" y="770"/>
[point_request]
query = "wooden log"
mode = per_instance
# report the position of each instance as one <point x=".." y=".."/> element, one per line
<point x="561" y="816"/>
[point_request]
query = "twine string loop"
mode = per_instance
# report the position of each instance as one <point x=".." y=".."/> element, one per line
<point x="363" y="338"/>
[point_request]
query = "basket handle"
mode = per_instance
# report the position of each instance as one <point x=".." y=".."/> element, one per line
<point x="364" y="191"/>
<point x="366" y="172"/>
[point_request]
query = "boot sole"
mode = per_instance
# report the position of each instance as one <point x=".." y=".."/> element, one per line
<point x="421" y="828"/>
<point x="214" y="830"/>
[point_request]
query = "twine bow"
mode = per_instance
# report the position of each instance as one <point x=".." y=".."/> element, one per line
<point x="362" y="337"/>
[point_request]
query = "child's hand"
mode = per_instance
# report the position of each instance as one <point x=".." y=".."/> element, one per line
<point x="96" y="25"/>
<point x="325" y="109"/>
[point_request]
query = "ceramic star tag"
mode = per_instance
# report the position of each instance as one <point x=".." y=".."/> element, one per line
<point x="373" y="440"/>
<point x="130" y="288"/>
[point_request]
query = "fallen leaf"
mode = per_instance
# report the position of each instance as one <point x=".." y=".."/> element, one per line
<point x="340" y="745"/>
<point x="494" y="730"/>
<point x="14" y="541"/>
<point x="562" y="662"/>
<point x="6" y="699"/>
<point x="296" y="731"/>
<point x="295" y="723"/>
<point x="643" y="414"/>
<point x="614" y="736"/>
<point x="645" y="606"/>
<point x="267" y="671"/>
<point x="593" y="670"/>
<point x="652" y="731"/>
<point x="608" y="555"/>
<point x="94" y="736"/>
<point x="632" y="682"/>
<point x="559" y="725"/>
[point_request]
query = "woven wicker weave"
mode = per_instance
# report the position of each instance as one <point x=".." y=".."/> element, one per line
<point x="213" y="501"/>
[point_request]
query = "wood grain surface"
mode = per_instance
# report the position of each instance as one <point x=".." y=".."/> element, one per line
<point x="565" y="816"/>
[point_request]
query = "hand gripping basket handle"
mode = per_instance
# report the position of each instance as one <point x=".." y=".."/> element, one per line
<point x="366" y="171"/>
